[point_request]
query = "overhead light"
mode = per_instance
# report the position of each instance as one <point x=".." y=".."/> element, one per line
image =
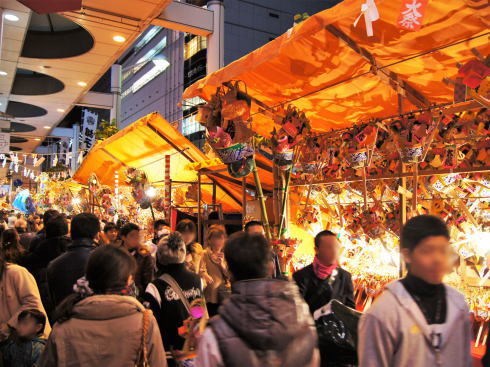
<point x="60" y="110"/>
<point x="37" y="139"/>
<point x="82" y="84"/>
<point x="3" y="73"/>
<point x="119" y="39"/>
<point x="151" y="192"/>
<point x="12" y="17"/>
<point x="47" y="127"/>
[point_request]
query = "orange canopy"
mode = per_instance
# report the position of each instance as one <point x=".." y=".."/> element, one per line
<point x="144" y="145"/>
<point x="317" y="65"/>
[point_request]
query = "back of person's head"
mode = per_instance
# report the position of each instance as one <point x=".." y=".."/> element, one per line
<point x="160" y="223"/>
<point x="57" y="226"/>
<point x="36" y="315"/>
<point x="19" y="215"/>
<point x="171" y="249"/>
<point x="109" y="227"/>
<point x="421" y="227"/>
<point x="10" y="249"/>
<point x="109" y="268"/>
<point x="84" y="225"/>
<point x="128" y="228"/>
<point x="247" y="256"/>
<point x="48" y="214"/>
<point x="186" y="225"/>
<point x="253" y="223"/>
<point x="325" y="233"/>
<point x="215" y="230"/>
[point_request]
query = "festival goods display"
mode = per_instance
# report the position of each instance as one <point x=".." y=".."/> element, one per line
<point x="139" y="182"/>
<point x="226" y="118"/>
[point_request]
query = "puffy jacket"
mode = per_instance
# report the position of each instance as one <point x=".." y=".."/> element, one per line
<point x="66" y="269"/>
<point x="105" y="330"/>
<point x="265" y="322"/>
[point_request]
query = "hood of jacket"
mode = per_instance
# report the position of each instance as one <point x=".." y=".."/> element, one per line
<point x="266" y="313"/>
<point x="106" y="307"/>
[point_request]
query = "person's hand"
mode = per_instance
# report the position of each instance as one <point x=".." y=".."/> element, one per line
<point x="4" y="331"/>
<point x="208" y="279"/>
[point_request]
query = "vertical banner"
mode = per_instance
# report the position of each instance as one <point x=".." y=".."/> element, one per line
<point x="89" y="126"/>
<point x="168" y="187"/>
<point x="4" y="143"/>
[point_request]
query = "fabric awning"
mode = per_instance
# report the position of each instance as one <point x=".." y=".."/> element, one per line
<point x="331" y="70"/>
<point x="144" y="145"/>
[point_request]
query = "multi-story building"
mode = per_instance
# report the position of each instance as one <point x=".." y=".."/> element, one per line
<point x="162" y="62"/>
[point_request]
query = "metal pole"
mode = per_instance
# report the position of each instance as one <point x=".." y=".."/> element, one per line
<point x="244" y="200"/>
<point x="116" y="90"/>
<point x="199" y="219"/>
<point x="75" y="146"/>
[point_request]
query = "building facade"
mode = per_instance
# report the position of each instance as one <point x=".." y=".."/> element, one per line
<point x="180" y="59"/>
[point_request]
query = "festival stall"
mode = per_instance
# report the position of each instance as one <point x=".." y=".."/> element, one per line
<point x="142" y="172"/>
<point x="372" y="112"/>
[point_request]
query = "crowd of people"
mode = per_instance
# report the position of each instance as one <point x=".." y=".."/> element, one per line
<point x="77" y="291"/>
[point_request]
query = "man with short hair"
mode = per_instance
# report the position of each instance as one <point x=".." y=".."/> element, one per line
<point x="418" y="320"/>
<point x="111" y="235"/>
<point x="264" y="322"/>
<point x="41" y="235"/>
<point x="322" y="281"/>
<point x="256" y="227"/>
<point x="66" y="269"/>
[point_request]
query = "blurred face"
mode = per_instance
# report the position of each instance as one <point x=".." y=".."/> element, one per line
<point x="256" y="230"/>
<point x="112" y="235"/>
<point x="189" y="237"/>
<point x="132" y="240"/>
<point x="327" y="250"/>
<point x="217" y="242"/>
<point x="430" y="260"/>
<point x="162" y="230"/>
<point x="28" y="328"/>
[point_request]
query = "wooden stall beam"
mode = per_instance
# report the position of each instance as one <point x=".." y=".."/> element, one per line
<point x="389" y="77"/>
<point x="397" y="176"/>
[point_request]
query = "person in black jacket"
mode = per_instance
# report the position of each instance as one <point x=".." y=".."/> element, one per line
<point x="37" y="262"/>
<point x="324" y="280"/>
<point x="163" y="300"/>
<point x="66" y="269"/>
<point x="41" y="235"/>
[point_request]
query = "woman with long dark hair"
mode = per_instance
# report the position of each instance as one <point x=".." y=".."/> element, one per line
<point x="11" y="249"/>
<point x="18" y="289"/>
<point x="102" y="324"/>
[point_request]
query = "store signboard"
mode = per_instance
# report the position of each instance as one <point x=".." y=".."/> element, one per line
<point x="4" y="143"/>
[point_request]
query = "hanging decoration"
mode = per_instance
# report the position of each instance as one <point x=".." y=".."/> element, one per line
<point x="138" y="180"/>
<point x="411" y="14"/>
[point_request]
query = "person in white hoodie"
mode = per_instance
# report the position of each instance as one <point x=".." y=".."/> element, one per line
<point x="418" y="320"/>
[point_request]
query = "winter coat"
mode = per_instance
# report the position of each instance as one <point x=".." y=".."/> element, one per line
<point x="66" y="269"/>
<point x="37" y="263"/>
<point x="18" y="292"/>
<point x="23" y="353"/>
<point x="166" y="305"/>
<point x="215" y="271"/>
<point x="394" y="332"/>
<point x="145" y="271"/>
<point x="37" y="239"/>
<point x="104" y="331"/>
<point x="316" y="291"/>
<point x="264" y="323"/>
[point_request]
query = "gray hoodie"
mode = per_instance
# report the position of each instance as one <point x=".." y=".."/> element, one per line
<point x="394" y="332"/>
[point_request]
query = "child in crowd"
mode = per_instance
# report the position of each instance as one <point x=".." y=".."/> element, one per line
<point x="26" y="345"/>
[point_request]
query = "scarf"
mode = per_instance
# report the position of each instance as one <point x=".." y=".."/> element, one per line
<point x="323" y="271"/>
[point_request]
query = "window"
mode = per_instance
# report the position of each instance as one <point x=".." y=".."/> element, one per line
<point x="190" y="125"/>
<point x="195" y="45"/>
<point x="147" y="37"/>
<point x="146" y="58"/>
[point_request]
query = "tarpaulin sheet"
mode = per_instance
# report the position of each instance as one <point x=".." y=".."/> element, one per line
<point x="144" y="145"/>
<point x="321" y="74"/>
